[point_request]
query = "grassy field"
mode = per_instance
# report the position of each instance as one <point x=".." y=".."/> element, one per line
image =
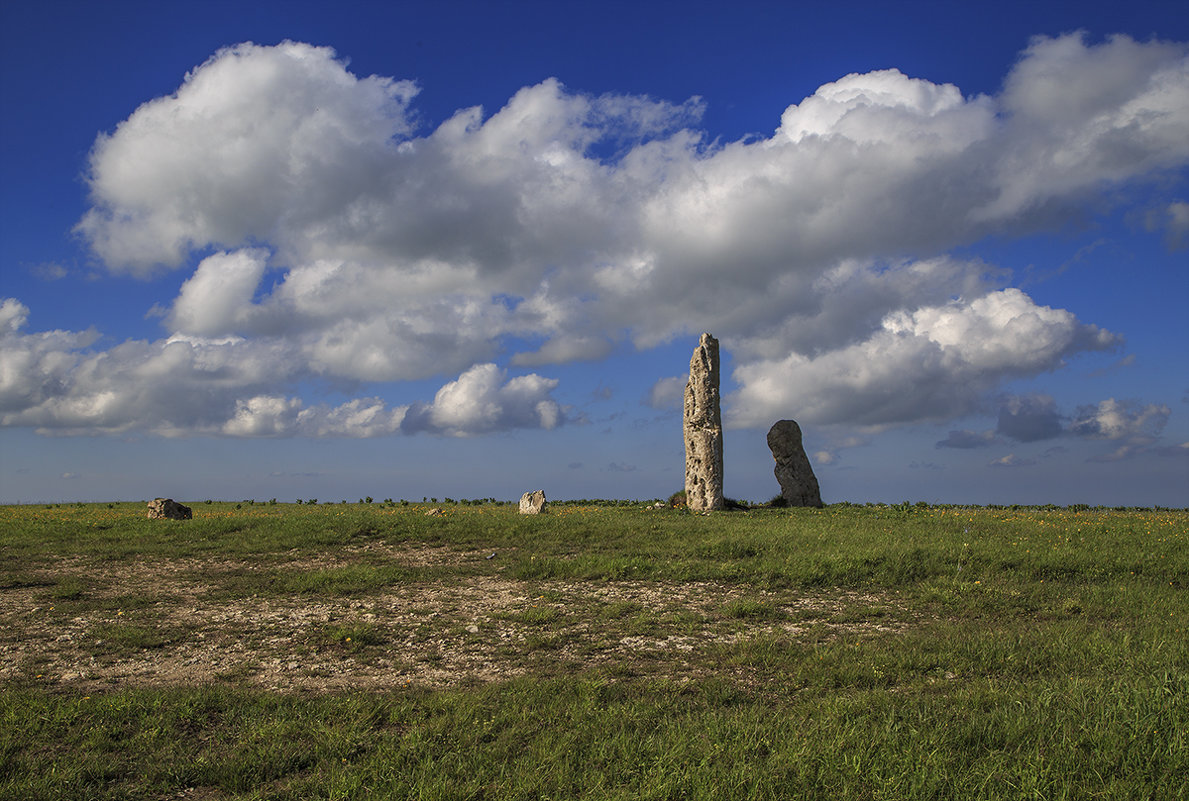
<point x="599" y="651"/>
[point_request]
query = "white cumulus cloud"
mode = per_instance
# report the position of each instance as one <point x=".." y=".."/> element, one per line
<point x="483" y="400"/>
<point x="327" y="237"/>
<point x="1113" y="419"/>
<point x="237" y="151"/>
<point x="55" y="382"/>
<point x="217" y="299"/>
<point x="931" y="363"/>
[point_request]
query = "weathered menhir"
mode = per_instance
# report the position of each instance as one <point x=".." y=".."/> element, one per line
<point x="703" y="430"/>
<point x="798" y="484"/>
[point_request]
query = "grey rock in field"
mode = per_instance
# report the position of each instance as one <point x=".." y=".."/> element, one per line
<point x="702" y="427"/>
<point x="435" y="512"/>
<point x="168" y="509"/>
<point x="798" y="484"/>
<point x="532" y="503"/>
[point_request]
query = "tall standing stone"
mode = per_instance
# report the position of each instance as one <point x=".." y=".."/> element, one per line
<point x="798" y="484"/>
<point x="703" y="429"/>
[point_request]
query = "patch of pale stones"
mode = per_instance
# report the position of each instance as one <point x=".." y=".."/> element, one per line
<point x="470" y="629"/>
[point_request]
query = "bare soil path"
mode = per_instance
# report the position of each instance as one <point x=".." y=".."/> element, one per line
<point x="91" y="624"/>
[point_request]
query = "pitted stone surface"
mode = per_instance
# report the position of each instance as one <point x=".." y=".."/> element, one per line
<point x="703" y="430"/>
<point x="532" y="503"/>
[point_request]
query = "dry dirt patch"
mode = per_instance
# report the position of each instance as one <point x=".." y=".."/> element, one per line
<point x="159" y="624"/>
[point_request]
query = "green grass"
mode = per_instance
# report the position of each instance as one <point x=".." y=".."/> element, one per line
<point x="591" y="738"/>
<point x="847" y="653"/>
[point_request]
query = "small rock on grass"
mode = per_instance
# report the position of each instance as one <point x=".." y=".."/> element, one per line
<point x="532" y="503"/>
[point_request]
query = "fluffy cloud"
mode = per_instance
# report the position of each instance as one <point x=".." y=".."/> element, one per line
<point x="1032" y="418"/>
<point x="34" y="366"/>
<point x="275" y="416"/>
<point x="184" y="385"/>
<point x="1112" y="419"/>
<point x="931" y="363"/>
<point x="13" y="315"/>
<point x="236" y="151"/>
<point x="817" y="255"/>
<point x="1080" y="116"/>
<point x="217" y="299"/>
<point x="482" y="400"/>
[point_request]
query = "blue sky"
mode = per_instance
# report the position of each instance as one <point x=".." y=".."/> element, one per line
<point x="295" y="250"/>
